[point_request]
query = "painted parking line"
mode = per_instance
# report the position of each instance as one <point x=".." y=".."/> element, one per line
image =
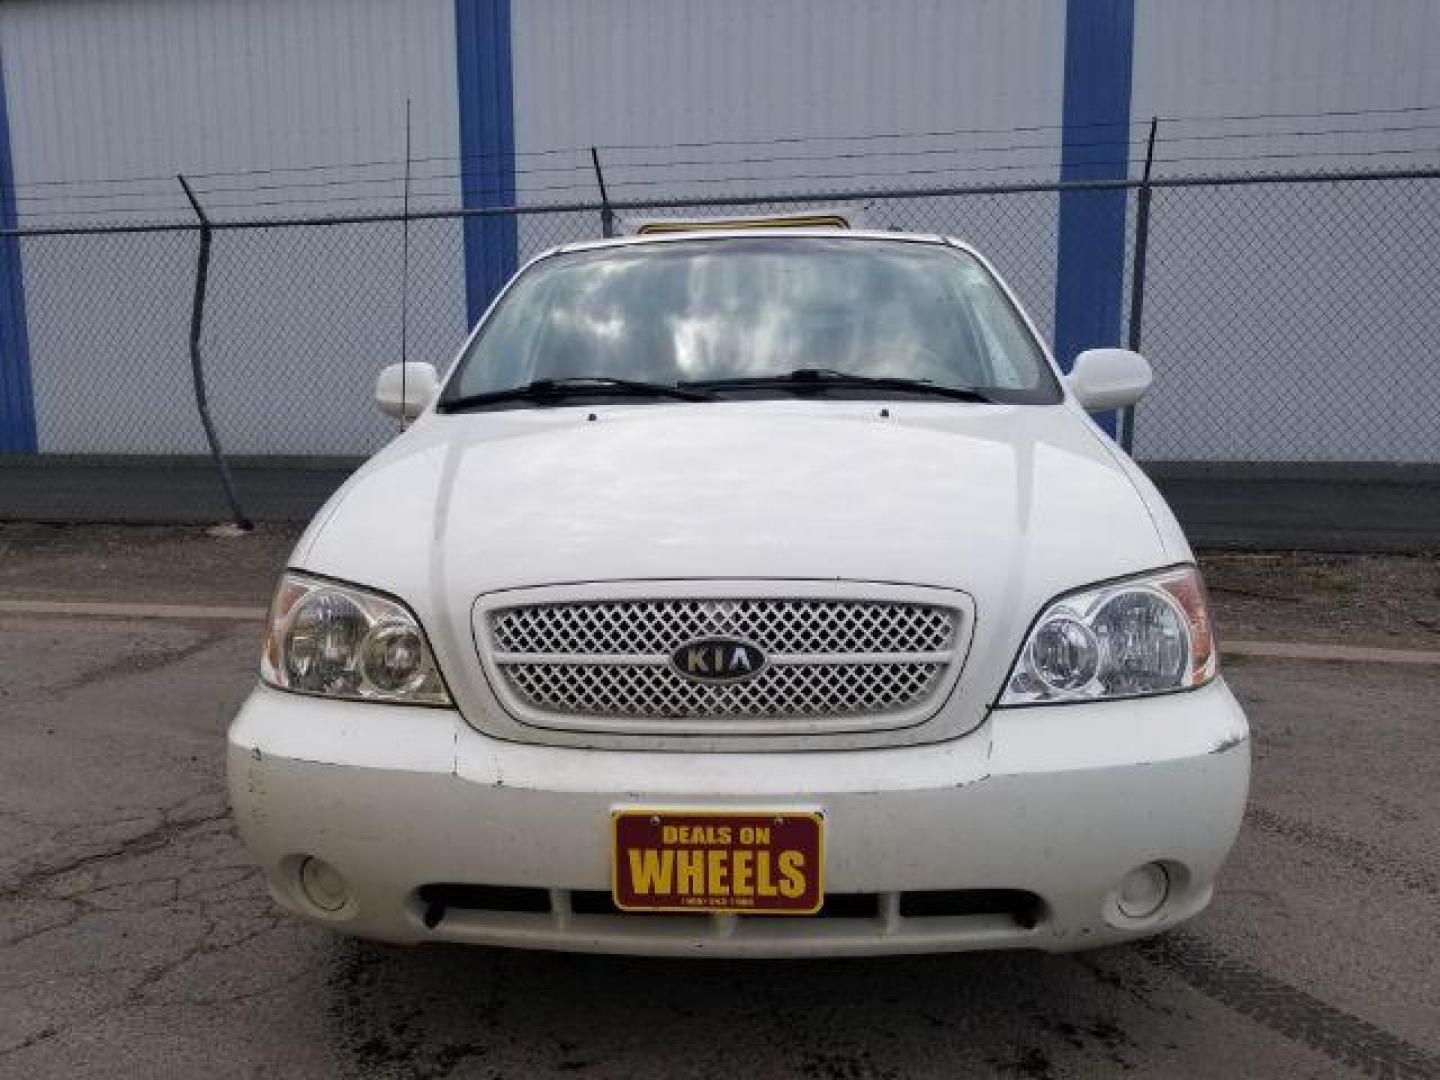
<point x="1270" y="650"/>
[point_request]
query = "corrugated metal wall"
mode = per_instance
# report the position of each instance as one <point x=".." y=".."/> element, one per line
<point x="681" y="72"/>
<point x="694" y="98"/>
<point x="149" y="88"/>
<point x="127" y="89"/>
<point x="1283" y="323"/>
<point x="683" y="98"/>
<point x="1229" y="57"/>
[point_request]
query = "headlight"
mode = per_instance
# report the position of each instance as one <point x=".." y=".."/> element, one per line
<point x="346" y="642"/>
<point x="1145" y="635"/>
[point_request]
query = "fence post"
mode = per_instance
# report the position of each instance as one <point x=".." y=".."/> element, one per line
<point x="1137" y="277"/>
<point x="197" y="369"/>
<point x="405" y="274"/>
<point x="607" y="216"/>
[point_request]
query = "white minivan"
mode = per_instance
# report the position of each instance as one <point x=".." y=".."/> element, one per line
<point x="746" y="593"/>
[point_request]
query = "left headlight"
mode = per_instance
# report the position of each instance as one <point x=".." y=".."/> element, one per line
<point x="342" y="641"/>
<point x="1144" y="635"/>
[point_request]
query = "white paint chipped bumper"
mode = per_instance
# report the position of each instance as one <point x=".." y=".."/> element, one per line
<point x="1059" y="802"/>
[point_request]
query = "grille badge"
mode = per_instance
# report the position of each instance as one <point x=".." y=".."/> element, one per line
<point x="718" y="660"/>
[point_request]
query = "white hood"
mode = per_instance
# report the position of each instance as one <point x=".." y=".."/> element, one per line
<point x="943" y="495"/>
<point x="1010" y="504"/>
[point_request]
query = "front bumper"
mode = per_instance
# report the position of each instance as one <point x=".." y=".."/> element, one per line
<point x="1058" y="802"/>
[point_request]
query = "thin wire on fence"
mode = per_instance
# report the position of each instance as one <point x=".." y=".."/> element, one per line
<point x="1376" y="137"/>
<point x="581" y="168"/>
<point x="1169" y="119"/>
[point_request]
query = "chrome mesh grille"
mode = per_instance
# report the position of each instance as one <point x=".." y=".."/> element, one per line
<point x="641" y="627"/>
<point x="827" y="658"/>
<point x="789" y="690"/>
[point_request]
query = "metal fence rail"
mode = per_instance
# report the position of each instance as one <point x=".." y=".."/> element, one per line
<point x="1291" y="319"/>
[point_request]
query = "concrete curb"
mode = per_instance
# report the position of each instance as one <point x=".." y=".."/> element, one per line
<point x="1355" y="654"/>
<point x="108" y="610"/>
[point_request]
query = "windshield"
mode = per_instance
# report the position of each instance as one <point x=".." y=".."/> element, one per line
<point x="698" y="310"/>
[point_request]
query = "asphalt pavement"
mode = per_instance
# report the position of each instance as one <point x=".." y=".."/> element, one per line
<point x="136" y="941"/>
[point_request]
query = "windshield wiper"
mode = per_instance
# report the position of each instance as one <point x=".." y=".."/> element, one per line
<point x="550" y="389"/>
<point x="827" y="378"/>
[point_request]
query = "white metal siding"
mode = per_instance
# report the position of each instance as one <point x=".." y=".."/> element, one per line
<point x="625" y="75"/>
<point x="1229" y="57"/>
<point x="146" y="88"/>
<point x="300" y="320"/>
<point x="1280" y="323"/>
<point x="678" y="72"/>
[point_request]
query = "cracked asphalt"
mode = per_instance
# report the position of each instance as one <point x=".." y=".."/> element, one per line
<point x="136" y="941"/>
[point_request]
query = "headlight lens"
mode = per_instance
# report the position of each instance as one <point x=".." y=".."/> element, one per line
<point x="1147" y="635"/>
<point x="343" y="641"/>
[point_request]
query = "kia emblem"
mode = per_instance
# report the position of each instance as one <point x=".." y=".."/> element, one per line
<point x="718" y="660"/>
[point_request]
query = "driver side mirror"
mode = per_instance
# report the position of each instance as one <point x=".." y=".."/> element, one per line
<point x="404" y="391"/>
<point x="1104" y="379"/>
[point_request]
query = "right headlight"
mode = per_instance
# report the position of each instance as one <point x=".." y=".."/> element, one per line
<point x="335" y="640"/>
<point x="1144" y="635"/>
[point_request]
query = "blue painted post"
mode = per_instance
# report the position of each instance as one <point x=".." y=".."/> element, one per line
<point x="17" y="399"/>
<point x="1090" y="261"/>
<point x="487" y="146"/>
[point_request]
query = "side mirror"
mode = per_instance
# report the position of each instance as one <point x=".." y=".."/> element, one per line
<point x="405" y="390"/>
<point x="1104" y="379"/>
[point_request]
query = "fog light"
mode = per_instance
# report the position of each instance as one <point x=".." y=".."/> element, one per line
<point x="1143" y="891"/>
<point x="322" y="885"/>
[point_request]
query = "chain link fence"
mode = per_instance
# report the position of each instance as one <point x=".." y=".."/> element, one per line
<point x="1291" y="320"/>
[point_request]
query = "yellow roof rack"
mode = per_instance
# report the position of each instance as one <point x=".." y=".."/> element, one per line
<point x="829" y="217"/>
<point x="808" y="221"/>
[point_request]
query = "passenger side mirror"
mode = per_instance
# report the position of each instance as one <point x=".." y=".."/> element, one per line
<point x="405" y="390"/>
<point x="1104" y="379"/>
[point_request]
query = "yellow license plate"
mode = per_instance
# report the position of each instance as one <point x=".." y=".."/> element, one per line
<point x="763" y="862"/>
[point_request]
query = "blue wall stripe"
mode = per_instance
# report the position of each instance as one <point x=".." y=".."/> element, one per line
<point x="17" y="401"/>
<point x="487" y="146"/>
<point x="1090" y="261"/>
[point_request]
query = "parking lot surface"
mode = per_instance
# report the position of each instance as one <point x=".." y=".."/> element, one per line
<point x="135" y="940"/>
